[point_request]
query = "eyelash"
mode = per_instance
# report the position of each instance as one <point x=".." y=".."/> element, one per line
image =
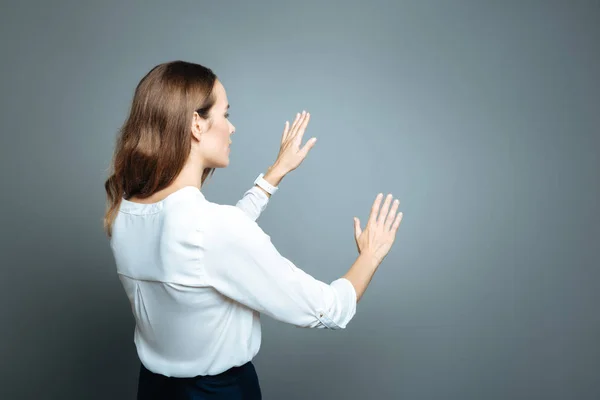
<point x="227" y="115"/>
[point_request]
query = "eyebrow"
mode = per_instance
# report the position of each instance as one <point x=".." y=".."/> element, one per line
<point x="227" y="107"/>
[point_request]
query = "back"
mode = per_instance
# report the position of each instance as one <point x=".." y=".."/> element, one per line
<point x="199" y="274"/>
<point x="183" y="326"/>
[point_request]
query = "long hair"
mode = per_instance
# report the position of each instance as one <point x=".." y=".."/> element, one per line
<point x="155" y="141"/>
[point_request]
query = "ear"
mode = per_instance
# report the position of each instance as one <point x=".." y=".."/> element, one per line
<point x="199" y="126"/>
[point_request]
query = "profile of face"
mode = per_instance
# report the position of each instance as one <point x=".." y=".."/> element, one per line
<point x="212" y="140"/>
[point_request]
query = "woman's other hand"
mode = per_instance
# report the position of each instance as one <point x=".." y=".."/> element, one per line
<point x="380" y="232"/>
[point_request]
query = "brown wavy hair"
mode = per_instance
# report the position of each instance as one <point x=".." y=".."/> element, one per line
<point x="154" y="143"/>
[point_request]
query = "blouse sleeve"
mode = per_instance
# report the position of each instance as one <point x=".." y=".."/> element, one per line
<point x="242" y="263"/>
<point x="253" y="202"/>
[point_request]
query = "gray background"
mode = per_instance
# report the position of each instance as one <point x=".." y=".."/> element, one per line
<point x="482" y="118"/>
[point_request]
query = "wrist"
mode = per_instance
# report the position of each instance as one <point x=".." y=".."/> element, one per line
<point x="371" y="259"/>
<point x="273" y="177"/>
<point x="274" y="174"/>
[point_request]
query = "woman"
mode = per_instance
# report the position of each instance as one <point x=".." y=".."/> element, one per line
<point x="198" y="274"/>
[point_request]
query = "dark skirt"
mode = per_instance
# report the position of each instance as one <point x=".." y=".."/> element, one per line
<point x="236" y="383"/>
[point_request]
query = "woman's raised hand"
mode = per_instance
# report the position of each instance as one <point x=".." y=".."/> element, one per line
<point x="290" y="154"/>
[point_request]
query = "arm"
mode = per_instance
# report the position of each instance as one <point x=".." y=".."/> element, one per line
<point x="253" y="203"/>
<point x="255" y="199"/>
<point x="241" y="262"/>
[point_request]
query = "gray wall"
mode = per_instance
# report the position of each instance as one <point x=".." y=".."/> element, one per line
<point x="482" y="118"/>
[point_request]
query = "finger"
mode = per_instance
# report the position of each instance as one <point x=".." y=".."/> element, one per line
<point x="302" y="128"/>
<point x="397" y="222"/>
<point x="375" y="209"/>
<point x="299" y="123"/>
<point x="390" y="218"/>
<point x="286" y="129"/>
<point x="293" y="128"/>
<point x="307" y="147"/>
<point x="357" y="230"/>
<point x="384" y="210"/>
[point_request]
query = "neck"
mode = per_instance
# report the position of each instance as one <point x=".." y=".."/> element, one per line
<point x="190" y="175"/>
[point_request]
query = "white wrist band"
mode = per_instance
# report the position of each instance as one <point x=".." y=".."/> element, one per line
<point x="265" y="185"/>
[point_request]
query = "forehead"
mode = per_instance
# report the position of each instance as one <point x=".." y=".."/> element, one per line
<point x="220" y="93"/>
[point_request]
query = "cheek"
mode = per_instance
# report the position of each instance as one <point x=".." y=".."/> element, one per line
<point x="225" y="131"/>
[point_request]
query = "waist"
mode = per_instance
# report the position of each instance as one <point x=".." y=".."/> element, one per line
<point x="227" y="374"/>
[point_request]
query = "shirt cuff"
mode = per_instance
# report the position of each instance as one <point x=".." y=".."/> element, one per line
<point x="346" y="305"/>
<point x="259" y="192"/>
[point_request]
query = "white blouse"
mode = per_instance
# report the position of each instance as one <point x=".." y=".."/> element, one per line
<point x="197" y="275"/>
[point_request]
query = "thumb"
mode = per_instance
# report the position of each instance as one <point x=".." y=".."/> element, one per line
<point x="309" y="145"/>
<point x="357" y="230"/>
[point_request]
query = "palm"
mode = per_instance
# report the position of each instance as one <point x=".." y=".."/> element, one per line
<point x="290" y="154"/>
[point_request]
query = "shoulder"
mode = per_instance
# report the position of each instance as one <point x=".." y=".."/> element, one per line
<point x="188" y="211"/>
<point x="230" y="225"/>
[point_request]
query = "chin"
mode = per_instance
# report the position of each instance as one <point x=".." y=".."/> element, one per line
<point x="223" y="164"/>
<point x="226" y="160"/>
